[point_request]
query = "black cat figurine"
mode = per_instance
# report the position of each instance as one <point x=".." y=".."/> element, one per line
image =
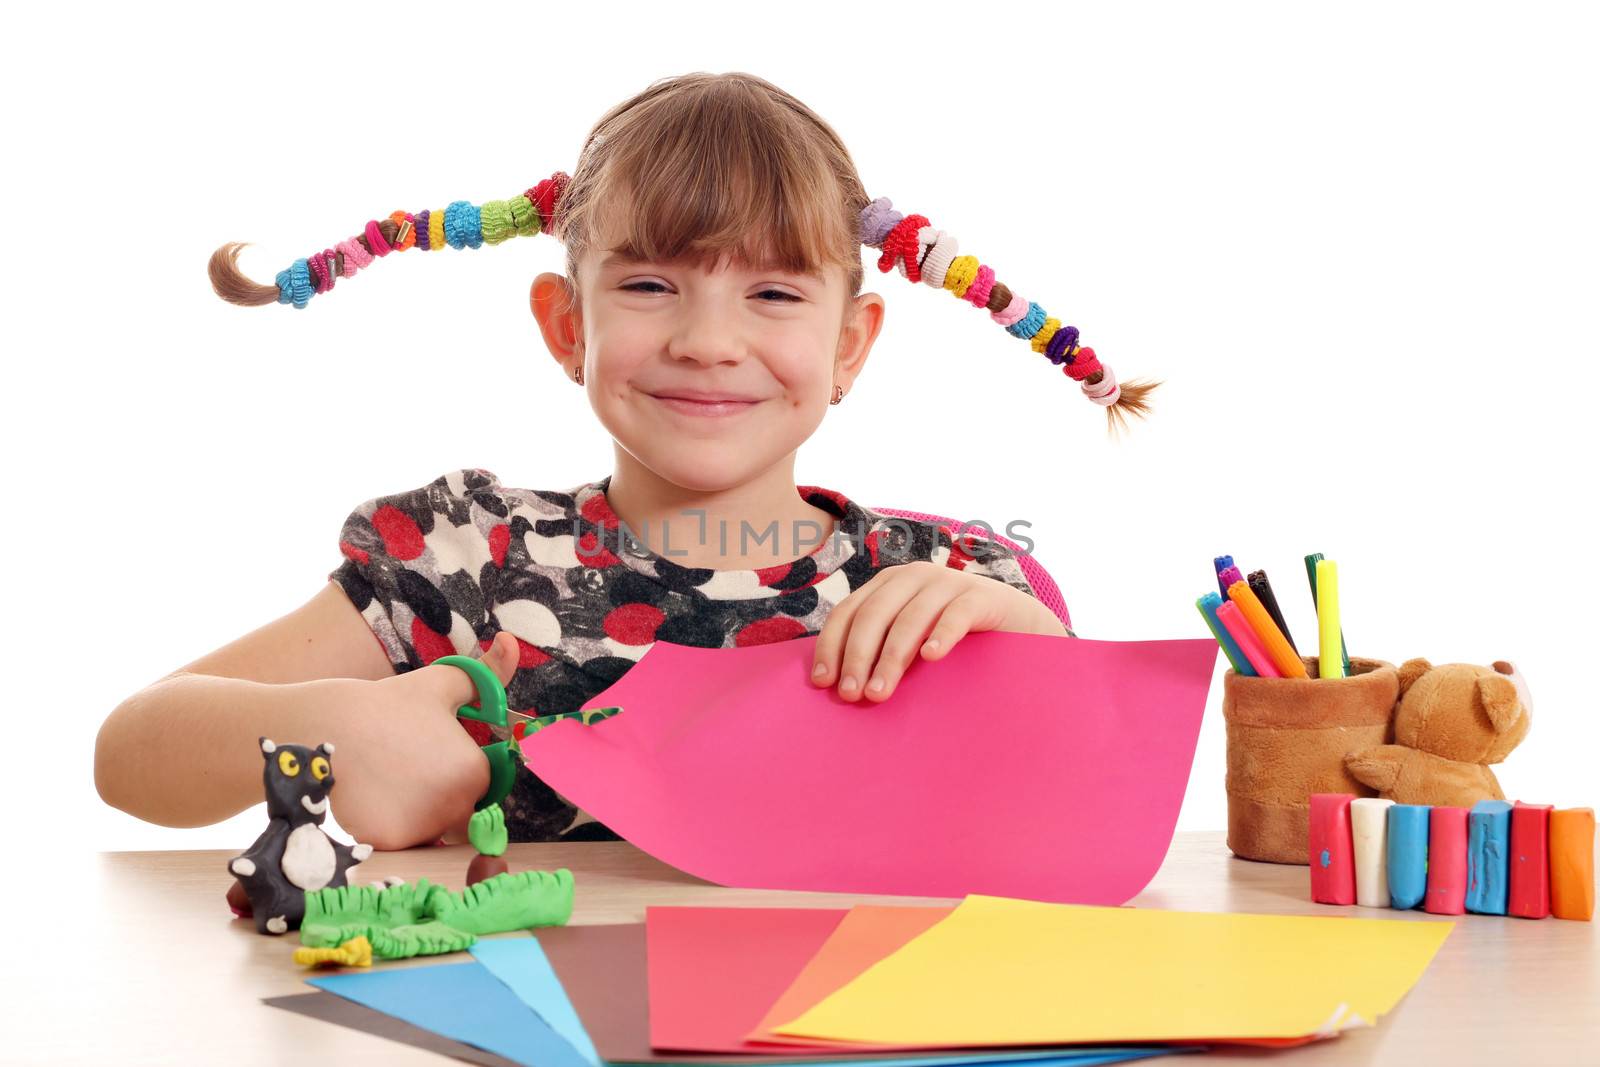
<point x="293" y="855"/>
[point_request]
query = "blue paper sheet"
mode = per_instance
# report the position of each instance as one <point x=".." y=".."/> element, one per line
<point x="521" y="965"/>
<point x="464" y="1002"/>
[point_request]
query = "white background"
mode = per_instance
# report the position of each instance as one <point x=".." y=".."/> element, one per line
<point x="1358" y="244"/>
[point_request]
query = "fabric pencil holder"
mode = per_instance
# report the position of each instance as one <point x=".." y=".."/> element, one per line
<point x="1287" y="739"/>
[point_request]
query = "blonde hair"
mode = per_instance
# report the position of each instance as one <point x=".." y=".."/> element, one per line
<point x="704" y="165"/>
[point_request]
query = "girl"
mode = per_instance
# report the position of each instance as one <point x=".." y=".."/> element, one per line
<point x="711" y="310"/>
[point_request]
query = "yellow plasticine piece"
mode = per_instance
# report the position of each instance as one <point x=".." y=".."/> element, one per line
<point x="436" y="230"/>
<point x="356" y="952"/>
<point x="1047" y="331"/>
<point x="963" y="271"/>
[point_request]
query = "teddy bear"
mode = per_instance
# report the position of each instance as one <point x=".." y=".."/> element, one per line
<point x="1450" y="723"/>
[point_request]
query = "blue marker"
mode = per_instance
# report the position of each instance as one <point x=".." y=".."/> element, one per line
<point x="1488" y="851"/>
<point x="1408" y="855"/>
<point x="1208" y="606"/>
<point x="1222" y="564"/>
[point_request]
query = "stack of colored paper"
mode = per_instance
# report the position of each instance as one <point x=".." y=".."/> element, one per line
<point x="990" y="981"/>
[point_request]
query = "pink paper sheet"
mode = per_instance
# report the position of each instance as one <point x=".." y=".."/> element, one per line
<point x="1020" y="765"/>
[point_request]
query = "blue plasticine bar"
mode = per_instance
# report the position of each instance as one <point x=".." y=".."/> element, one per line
<point x="1408" y="855"/>
<point x="1488" y="849"/>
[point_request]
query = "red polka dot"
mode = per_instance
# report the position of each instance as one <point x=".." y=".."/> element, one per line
<point x="401" y="537"/>
<point x="769" y="631"/>
<point x="530" y="655"/>
<point x="598" y="511"/>
<point x="773" y="575"/>
<point x="352" y="552"/>
<point x="499" y="541"/>
<point x="633" y="624"/>
<point x="592" y="554"/>
<point x="429" y="645"/>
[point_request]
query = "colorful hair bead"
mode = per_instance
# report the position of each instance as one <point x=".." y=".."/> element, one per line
<point x="321" y="277"/>
<point x="524" y="216"/>
<point x="978" y="292"/>
<point x="436" y="239"/>
<point x="294" y="284"/>
<point x="877" y="219"/>
<point x="406" y="221"/>
<point x="1062" y="342"/>
<point x="1047" y="331"/>
<point x="463" y="226"/>
<point x="495" y="216"/>
<point x="1013" y="312"/>
<point x="959" y="278"/>
<point x="901" y="249"/>
<point x="942" y="251"/>
<point x="423" y="234"/>
<point x="375" y="239"/>
<point x="1029" y="324"/>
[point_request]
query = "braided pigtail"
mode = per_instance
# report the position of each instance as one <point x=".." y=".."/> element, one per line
<point x="461" y="225"/>
<point x="923" y="253"/>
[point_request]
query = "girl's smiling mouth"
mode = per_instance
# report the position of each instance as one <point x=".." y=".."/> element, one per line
<point x="691" y="402"/>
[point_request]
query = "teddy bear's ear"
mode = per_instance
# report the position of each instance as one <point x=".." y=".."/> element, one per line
<point x="1411" y="670"/>
<point x="1500" y="703"/>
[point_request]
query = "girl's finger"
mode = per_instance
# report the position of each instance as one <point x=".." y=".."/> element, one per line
<point x="868" y="629"/>
<point x="836" y="630"/>
<point x="960" y="617"/>
<point x="915" y="621"/>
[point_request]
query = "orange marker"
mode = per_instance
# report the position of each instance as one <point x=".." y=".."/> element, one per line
<point x="1277" y="646"/>
<point x="1572" y="863"/>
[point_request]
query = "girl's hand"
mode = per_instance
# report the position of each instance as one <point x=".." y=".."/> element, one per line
<point x="870" y="638"/>
<point x="406" y="770"/>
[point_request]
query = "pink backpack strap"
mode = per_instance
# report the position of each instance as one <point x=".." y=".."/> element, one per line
<point x="1044" y="587"/>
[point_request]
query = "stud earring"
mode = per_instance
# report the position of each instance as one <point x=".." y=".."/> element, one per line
<point x="838" y="394"/>
<point x="577" y="375"/>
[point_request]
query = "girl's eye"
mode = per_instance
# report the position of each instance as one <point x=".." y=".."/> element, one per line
<point x="783" y="297"/>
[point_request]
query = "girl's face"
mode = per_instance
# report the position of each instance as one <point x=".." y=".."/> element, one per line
<point x="711" y="374"/>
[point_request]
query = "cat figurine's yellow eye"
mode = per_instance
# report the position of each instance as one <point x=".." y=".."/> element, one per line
<point x="288" y="764"/>
<point x="319" y="768"/>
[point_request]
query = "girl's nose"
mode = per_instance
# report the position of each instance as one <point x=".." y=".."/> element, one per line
<point x="704" y="332"/>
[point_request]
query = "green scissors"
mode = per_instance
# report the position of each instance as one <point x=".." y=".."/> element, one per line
<point x="506" y="756"/>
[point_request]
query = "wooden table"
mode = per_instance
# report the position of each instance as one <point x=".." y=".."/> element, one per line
<point x="158" y="972"/>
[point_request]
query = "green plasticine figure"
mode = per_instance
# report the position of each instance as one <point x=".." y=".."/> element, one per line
<point x="424" y="919"/>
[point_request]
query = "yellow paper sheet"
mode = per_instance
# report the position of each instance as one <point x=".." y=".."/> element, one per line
<point x="1001" y="971"/>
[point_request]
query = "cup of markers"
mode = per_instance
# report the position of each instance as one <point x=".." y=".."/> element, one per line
<point x="1290" y="718"/>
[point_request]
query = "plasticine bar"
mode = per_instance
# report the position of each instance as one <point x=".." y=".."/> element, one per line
<point x="1333" y="872"/>
<point x="1369" y="820"/>
<point x="1488" y="845"/>
<point x="1529" y="896"/>
<point x="1408" y="855"/>
<point x="1572" y="863"/>
<point x="1447" y="862"/>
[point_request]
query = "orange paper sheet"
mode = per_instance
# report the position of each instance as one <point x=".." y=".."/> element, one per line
<point x="866" y="935"/>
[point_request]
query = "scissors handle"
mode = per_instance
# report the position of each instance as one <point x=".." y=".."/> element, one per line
<point x="503" y="756"/>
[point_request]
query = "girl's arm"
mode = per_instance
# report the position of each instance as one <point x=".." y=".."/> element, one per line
<point x="183" y="751"/>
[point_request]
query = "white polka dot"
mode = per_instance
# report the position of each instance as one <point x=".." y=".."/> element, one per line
<point x="834" y="588"/>
<point x="531" y="621"/>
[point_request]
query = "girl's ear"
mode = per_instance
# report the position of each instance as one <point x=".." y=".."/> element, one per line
<point x="863" y="319"/>
<point x="558" y="317"/>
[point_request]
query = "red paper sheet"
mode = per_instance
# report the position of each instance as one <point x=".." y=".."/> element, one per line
<point x="1047" y="768"/>
<point x="714" y="972"/>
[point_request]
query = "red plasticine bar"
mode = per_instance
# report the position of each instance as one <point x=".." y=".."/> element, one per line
<point x="1333" y="867"/>
<point x="1529" y="896"/>
<point x="1447" y="862"/>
